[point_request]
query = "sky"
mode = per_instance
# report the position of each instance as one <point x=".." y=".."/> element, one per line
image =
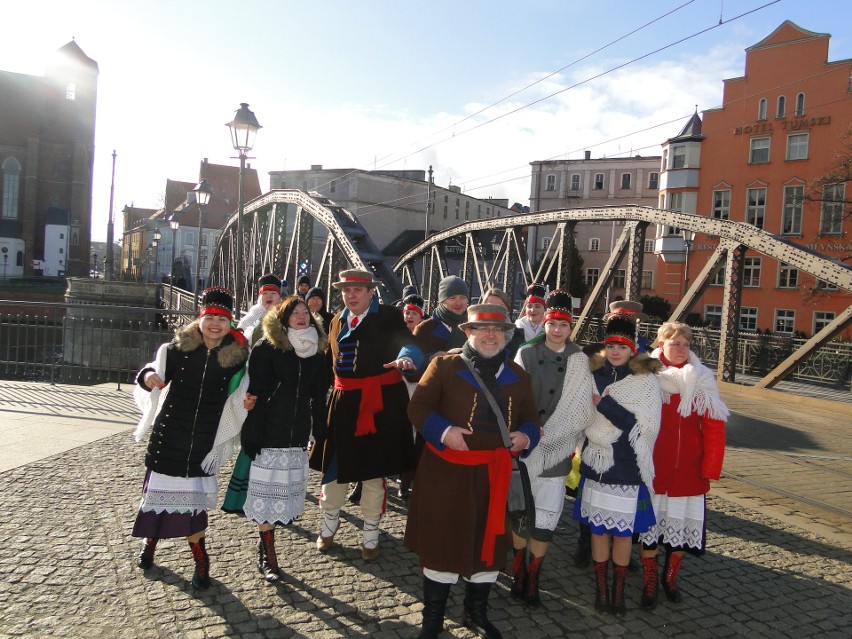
<point x="478" y="89"/>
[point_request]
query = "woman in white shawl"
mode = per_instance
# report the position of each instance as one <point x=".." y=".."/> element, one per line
<point x="562" y="385"/>
<point x="194" y="424"/>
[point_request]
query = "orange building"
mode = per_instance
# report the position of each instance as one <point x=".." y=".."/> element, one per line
<point x="758" y="159"/>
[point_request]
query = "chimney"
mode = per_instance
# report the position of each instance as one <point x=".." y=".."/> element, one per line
<point x="588" y="155"/>
<point x="316" y="167"/>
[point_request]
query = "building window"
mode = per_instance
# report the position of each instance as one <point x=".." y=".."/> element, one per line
<point x="545" y="242"/>
<point x="800" y="104"/>
<point x="445" y="212"/>
<point x="761" y="109"/>
<point x="713" y="315"/>
<point x="550" y="183"/>
<point x="654" y="181"/>
<point x="446" y="198"/>
<point x="748" y="318"/>
<point x="781" y="111"/>
<point x="664" y="164"/>
<point x="831" y="220"/>
<point x="649" y="246"/>
<point x="791" y="221"/>
<point x="648" y="280"/>
<point x="599" y="181"/>
<point x="722" y="205"/>
<point x="674" y="201"/>
<point x="70" y="91"/>
<point x="575" y="182"/>
<point x="759" y="151"/>
<point x="678" y="156"/>
<point x="785" y="320"/>
<point x="788" y="276"/>
<point x="751" y="271"/>
<point x="797" y="146"/>
<point x="718" y="277"/>
<point x="822" y="319"/>
<point x="592" y="276"/>
<point x="11" y="188"/>
<point x="625" y="180"/>
<point x="618" y="280"/>
<point x="822" y="285"/>
<point x="595" y="244"/>
<point x="756" y="207"/>
<point x="333" y="186"/>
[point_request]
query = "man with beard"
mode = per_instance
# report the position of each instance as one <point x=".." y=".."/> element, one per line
<point x="441" y="332"/>
<point x="457" y="522"/>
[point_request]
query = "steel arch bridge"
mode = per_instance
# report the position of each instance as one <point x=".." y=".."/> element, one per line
<point x="282" y="227"/>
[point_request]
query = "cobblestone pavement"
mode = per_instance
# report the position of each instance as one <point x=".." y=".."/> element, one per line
<point x="67" y="570"/>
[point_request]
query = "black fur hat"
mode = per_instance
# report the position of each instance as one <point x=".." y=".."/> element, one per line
<point x="268" y="282"/>
<point x="558" y="306"/>
<point x="536" y="293"/>
<point x="217" y="301"/>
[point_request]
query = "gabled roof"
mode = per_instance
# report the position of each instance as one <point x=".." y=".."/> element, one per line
<point x="786" y="33"/>
<point x="72" y="52"/>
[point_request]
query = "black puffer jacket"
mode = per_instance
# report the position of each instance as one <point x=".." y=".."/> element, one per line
<point x="291" y="391"/>
<point x="185" y="428"/>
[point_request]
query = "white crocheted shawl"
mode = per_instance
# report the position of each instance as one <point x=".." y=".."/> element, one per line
<point x="227" y="439"/>
<point x="696" y="385"/>
<point x="572" y="415"/>
<point x="640" y="394"/>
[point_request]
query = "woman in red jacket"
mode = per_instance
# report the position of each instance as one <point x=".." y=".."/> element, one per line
<point x="688" y="453"/>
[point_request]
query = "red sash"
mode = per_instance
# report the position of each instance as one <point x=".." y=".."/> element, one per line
<point x="371" y="397"/>
<point x="499" y="463"/>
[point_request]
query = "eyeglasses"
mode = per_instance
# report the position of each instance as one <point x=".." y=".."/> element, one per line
<point x="488" y="330"/>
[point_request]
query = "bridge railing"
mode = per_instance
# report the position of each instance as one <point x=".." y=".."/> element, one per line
<point x="757" y="354"/>
<point x="80" y="343"/>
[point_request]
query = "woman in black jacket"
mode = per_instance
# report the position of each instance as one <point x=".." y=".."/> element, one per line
<point x="287" y="375"/>
<point x="187" y="387"/>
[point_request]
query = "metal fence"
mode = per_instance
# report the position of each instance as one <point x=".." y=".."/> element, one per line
<point x="80" y="343"/>
<point x="758" y="354"/>
<point x="91" y="344"/>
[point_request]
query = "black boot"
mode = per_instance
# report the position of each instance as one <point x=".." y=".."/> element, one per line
<point x="601" y="586"/>
<point x="434" y="604"/>
<point x="531" y="595"/>
<point x="201" y="576"/>
<point x="267" y="561"/>
<point x="519" y="571"/>
<point x="583" y="554"/>
<point x="476" y="611"/>
<point x="619" y="576"/>
<point x="146" y="557"/>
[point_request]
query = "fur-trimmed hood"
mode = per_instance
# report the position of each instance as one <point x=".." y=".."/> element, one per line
<point x="188" y="338"/>
<point x="276" y="334"/>
<point x="642" y="364"/>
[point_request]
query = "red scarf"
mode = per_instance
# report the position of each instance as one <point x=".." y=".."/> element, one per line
<point x="371" y="397"/>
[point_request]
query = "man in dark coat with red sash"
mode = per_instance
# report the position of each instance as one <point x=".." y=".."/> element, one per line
<point x="369" y="434"/>
<point x="457" y="521"/>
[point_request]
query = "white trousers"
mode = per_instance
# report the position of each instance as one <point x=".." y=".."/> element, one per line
<point x="374" y="497"/>
<point x="452" y="577"/>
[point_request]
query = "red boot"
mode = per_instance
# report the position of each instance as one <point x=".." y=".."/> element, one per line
<point x="601" y="586"/>
<point x="533" y="569"/>
<point x="267" y="561"/>
<point x="650" y="592"/>
<point x="201" y="576"/>
<point x="670" y="572"/>
<point x="146" y="557"/>
<point x="519" y="570"/>
<point x="619" y="576"/>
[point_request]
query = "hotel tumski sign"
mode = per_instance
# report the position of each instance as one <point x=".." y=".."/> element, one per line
<point x="785" y="125"/>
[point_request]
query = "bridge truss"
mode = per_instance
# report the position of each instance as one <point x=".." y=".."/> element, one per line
<point x="281" y="235"/>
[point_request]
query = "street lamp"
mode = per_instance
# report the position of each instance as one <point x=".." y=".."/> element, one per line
<point x="156" y="243"/>
<point x="175" y="225"/>
<point x="94" y="273"/>
<point x="243" y="128"/>
<point x="202" y="191"/>
<point x="688" y="240"/>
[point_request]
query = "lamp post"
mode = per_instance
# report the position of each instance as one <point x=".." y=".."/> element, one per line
<point x="243" y="128"/>
<point x="202" y="191"/>
<point x="175" y="225"/>
<point x="94" y="273"/>
<point x="688" y="240"/>
<point x="156" y="244"/>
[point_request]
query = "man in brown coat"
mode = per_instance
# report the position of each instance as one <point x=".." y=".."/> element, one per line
<point x="369" y="435"/>
<point x="457" y="521"/>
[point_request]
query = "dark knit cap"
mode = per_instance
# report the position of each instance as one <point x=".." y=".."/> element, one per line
<point x="452" y="285"/>
<point x="304" y="279"/>
<point x="269" y="282"/>
<point x="409" y="290"/>
<point x="315" y="292"/>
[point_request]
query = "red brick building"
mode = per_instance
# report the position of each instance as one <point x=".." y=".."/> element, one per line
<point x="758" y="159"/>
<point x="47" y="145"/>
